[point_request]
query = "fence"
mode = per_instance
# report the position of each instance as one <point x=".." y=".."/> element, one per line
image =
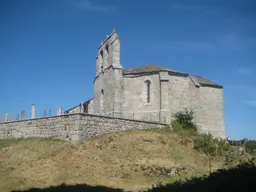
<point x="23" y="115"/>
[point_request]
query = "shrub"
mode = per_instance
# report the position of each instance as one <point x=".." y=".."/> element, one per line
<point x="206" y="143"/>
<point x="176" y="126"/>
<point x="183" y="120"/>
<point x="250" y="146"/>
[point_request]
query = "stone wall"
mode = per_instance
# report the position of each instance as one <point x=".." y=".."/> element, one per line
<point x="108" y="93"/>
<point x="135" y="97"/>
<point x="104" y="92"/>
<point x="90" y="106"/>
<point x="178" y="93"/>
<point x="97" y="125"/>
<point x="194" y="99"/>
<point x="72" y="127"/>
<point x="62" y="127"/>
<point x="211" y="111"/>
<point x="165" y="114"/>
<point x="171" y="93"/>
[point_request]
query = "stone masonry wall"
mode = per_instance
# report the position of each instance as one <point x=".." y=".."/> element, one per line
<point x="95" y="125"/>
<point x="135" y="97"/>
<point x="194" y="99"/>
<point x="90" y="107"/>
<point x="103" y="101"/>
<point x="178" y="93"/>
<point x="211" y="111"/>
<point x="63" y="127"/>
<point x="181" y="92"/>
<point x="73" y="127"/>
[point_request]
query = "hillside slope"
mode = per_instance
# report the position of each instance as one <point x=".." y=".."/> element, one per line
<point x="128" y="160"/>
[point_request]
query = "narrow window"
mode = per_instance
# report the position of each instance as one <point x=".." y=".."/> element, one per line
<point x="86" y="108"/>
<point x="106" y="49"/>
<point x="102" y="100"/>
<point x="148" y="90"/>
<point x="106" y="56"/>
<point x="101" y="59"/>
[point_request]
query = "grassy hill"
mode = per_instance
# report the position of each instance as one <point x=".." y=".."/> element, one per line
<point x="133" y="160"/>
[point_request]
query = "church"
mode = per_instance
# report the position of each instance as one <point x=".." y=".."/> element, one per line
<point x="151" y="92"/>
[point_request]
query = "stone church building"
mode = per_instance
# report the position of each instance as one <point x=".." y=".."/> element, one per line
<point x="151" y="92"/>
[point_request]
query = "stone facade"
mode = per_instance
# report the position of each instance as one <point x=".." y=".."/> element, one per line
<point x="135" y="97"/>
<point x="152" y="93"/>
<point x="74" y="127"/>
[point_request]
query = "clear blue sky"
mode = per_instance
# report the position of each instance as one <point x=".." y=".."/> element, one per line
<point x="48" y="49"/>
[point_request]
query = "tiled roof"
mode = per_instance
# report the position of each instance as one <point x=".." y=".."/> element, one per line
<point x="146" y="68"/>
<point x="85" y="102"/>
<point x="204" y="81"/>
<point x="88" y="101"/>
<point x="155" y="68"/>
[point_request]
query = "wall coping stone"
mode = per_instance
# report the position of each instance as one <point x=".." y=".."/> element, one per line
<point x="86" y="114"/>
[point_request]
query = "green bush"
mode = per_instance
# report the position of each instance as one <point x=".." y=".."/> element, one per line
<point x="250" y="145"/>
<point x="176" y="126"/>
<point x="206" y="143"/>
<point x="183" y="120"/>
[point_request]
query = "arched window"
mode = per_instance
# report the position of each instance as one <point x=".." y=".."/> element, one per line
<point x="101" y="59"/>
<point x="148" y="90"/>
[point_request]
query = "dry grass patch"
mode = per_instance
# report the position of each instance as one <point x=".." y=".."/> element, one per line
<point x="129" y="160"/>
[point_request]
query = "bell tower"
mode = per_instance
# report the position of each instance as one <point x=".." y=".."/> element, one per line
<point x="108" y="83"/>
<point x="108" y="53"/>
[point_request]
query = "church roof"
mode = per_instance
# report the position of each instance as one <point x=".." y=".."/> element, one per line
<point x="204" y="81"/>
<point x="146" y="68"/>
<point x="85" y="102"/>
<point x="155" y="68"/>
